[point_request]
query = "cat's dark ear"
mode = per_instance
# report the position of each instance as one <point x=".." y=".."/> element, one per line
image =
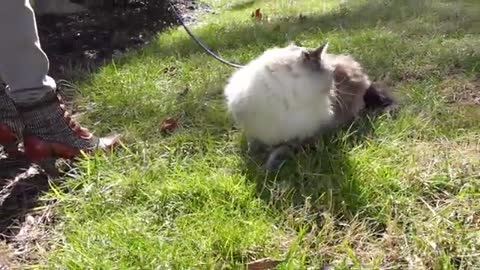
<point x="320" y="51"/>
<point x="315" y="54"/>
<point x="306" y="55"/>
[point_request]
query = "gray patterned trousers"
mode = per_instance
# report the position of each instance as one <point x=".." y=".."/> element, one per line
<point x="23" y="64"/>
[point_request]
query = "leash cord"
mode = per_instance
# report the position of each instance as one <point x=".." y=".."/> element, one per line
<point x="200" y="42"/>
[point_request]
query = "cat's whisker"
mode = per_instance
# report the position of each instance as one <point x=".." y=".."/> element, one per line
<point x="345" y="93"/>
<point x="341" y="102"/>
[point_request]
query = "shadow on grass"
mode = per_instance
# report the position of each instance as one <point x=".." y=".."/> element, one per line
<point x="20" y="188"/>
<point x="397" y="63"/>
<point x="242" y="5"/>
<point x="395" y="15"/>
<point x="329" y="178"/>
<point x="76" y="45"/>
<point x="320" y="179"/>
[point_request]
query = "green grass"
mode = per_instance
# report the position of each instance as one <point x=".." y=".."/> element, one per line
<point x="391" y="192"/>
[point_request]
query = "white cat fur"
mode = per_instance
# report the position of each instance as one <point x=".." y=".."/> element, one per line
<point x="278" y="97"/>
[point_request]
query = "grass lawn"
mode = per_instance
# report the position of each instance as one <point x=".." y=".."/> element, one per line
<point x="397" y="191"/>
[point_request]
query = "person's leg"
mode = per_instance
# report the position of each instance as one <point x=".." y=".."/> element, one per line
<point x="11" y="125"/>
<point x="23" y="64"/>
<point x="49" y="131"/>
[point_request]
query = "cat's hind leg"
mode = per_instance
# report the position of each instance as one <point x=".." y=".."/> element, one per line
<point x="280" y="154"/>
<point x="255" y="146"/>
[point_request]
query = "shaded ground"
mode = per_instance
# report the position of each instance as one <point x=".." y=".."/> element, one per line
<point x="82" y="42"/>
<point x="77" y="45"/>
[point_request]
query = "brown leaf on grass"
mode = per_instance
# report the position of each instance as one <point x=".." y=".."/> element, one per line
<point x="169" y="125"/>
<point x="170" y="71"/>
<point x="257" y="14"/>
<point x="263" y="264"/>
<point x="184" y="92"/>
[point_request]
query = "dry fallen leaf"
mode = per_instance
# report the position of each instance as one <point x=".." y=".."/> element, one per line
<point x="184" y="92"/>
<point x="263" y="264"/>
<point x="169" y="125"/>
<point x="257" y="14"/>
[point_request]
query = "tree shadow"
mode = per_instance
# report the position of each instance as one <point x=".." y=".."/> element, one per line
<point x="229" y="40"/>
<point x="329" y="178"/>
<point x="81" y="43"/>
<point x="77" y="45"/>
<point x="242" y="5"/>
<point x="393" y="15"/>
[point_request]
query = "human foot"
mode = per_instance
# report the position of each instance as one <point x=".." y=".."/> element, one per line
<point x="50" y="132"/>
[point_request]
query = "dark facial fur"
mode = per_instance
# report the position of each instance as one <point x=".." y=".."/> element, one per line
<point x="313" y="58"/>
<point x="354" y="92"/>
<point x="376" y="98"/>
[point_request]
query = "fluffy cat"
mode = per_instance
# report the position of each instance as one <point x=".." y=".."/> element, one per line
<point x="290" y="95"/>
<point x="281" y="96"/>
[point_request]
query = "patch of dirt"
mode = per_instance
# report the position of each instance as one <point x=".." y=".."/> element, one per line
<point x="469" y="94"/>
<point x="76" y="45"/>
<point x="83" y="42"/>
<point x="462" y="91"/>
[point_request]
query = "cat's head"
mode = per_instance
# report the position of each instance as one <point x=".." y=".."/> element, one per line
<point x="315" y="58"/>
<point x="316" y="65"/>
